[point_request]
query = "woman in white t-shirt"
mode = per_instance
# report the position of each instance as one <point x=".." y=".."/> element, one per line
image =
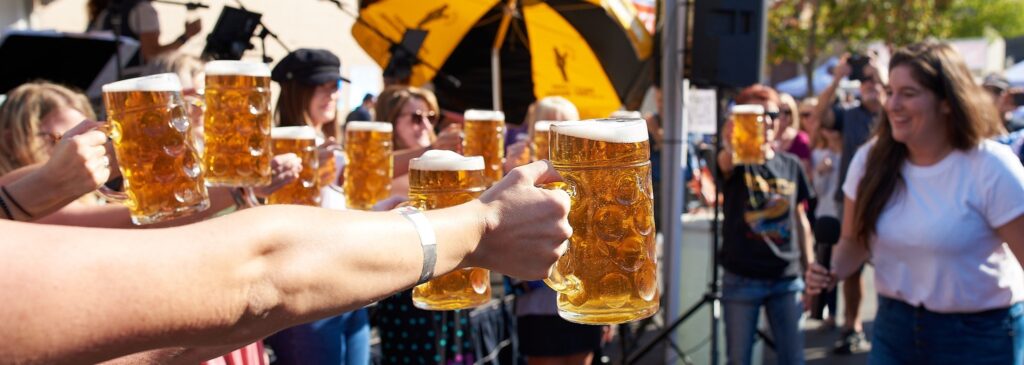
<point x="937" y="209"/>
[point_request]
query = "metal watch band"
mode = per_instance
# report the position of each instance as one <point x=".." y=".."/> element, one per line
<point x="428" y="240"/>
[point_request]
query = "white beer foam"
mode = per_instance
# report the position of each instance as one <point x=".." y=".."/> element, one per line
<point x="159" y="82"/>
<point x="241" y="68"/>
<point x="543" y="125"/>
<point x="383" y="127"/>
<point x="748" y="109"/>
<point x="605" y="130"/>
<point x="303" y="132"/>
<point x="626" y="114"/>
<point x="485" y="115"/>
<point x="443" y="160"/>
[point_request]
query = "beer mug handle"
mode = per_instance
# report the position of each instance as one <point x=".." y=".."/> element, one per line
<point x="556" y="280"/>
<point x="108" y="193"/>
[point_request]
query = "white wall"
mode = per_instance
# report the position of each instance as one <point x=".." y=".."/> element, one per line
<point x="299" y="23"/>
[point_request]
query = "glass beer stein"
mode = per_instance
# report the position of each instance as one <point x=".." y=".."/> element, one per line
<point x="149" y="125"/>
<point x="609" y="273"/>
<point x="747" y="134"/>
<point x="301" y="141"/>
<point x="484" y="135"/>
<point x="370" y="163"/>
<point x="441" y="179"/>
<point x="237" y="123"/>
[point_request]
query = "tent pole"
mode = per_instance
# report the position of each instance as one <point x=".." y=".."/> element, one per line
<point x="508" y="9"/>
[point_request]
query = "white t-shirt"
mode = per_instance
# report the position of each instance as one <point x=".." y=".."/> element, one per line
<point x="935" y="242"/>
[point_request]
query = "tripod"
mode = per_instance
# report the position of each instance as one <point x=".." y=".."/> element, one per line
<point x="712" y="296"/>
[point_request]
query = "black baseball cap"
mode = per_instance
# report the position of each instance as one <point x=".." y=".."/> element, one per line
<point x="308" y="66"/>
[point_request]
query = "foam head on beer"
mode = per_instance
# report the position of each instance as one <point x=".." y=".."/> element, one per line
<point x="442" y="160"/>
<point x="382" y="127"/>
<point x="748" y="109"/>
<point x="158" y="83"/>
<point x="605" y="130"/>
<point x="626" y="114"/>
<point x="240" y="68"/>
<point x="483" y="115"/>
<point x="542" y="126"/>
<point x="303" y="132"/>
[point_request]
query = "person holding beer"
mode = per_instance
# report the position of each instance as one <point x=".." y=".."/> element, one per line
<point x="938" y="209"/>
<point x="413" y="112"/>
<point x="310" y="82"/>
<point x="34" y="119"/>
<point x="237" y="278"/>
<point x="766" y="235"/>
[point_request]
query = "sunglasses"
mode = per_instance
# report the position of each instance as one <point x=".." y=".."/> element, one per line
<point x="420" y="114"/>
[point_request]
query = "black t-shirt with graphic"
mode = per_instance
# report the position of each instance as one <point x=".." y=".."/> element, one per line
<point x="759" y="230"/>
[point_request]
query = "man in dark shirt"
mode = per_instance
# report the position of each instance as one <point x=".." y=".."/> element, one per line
<point x="766" y="241"/>
<point x="856" y="124"/>
<point x="363" y="112"/>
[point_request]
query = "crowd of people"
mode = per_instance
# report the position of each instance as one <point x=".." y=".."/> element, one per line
<point x="921" y="177"/>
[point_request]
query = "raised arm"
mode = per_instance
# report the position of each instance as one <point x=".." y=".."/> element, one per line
<point x="88" y="295"/>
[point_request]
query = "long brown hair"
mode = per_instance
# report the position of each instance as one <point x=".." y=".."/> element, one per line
<point x="94" y="8"/>
<point x="939" y="68"/>
<point x="391" y="101"/>
<point x="293" y="108"/>
<point x="21" y="116"/>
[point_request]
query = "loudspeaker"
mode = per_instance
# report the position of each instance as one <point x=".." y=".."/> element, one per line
<point x="729" y="39"/>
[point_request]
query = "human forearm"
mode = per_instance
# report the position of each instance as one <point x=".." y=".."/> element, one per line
<point x="403" y="157"/>
<point x="38" y="193"/>
<point x="847" y="257"/>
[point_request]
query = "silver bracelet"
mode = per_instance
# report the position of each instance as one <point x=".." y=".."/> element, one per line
<point x="428" y="240"/>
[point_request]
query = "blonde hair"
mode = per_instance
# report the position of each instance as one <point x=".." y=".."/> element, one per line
<point x="21" y="116"/>
<point x="391" y="101"/>
<point x="186" y="66"/>
<point x="551" y="108"/>
<point x="794" y="111"/>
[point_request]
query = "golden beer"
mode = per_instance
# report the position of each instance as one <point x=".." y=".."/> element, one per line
<point x="539" y="141"/>
<point x="484" y="132"/>
<point x="306" y="189"/>
<point x="163" y="177"/>
<point x="440" y="179"/>
<point x="609" y="273"/>
<point x="370" y="163"/>
<point x="237" y="124"/>
<point x="747" y="134"/>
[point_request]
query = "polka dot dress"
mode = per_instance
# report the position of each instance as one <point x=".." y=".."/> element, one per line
<point x="410" y="335"/>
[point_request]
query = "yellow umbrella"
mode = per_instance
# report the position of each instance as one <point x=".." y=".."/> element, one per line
<point x="596" y="53"/>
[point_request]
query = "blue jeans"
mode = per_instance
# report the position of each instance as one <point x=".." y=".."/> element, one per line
<point x="904" y="334"/>
<point x="742" y="299"/>
<point x="338" y="340"/>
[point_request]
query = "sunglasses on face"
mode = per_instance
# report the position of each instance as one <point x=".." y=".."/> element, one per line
<point x="773" y="114"/>
<point x="431" y="115"/>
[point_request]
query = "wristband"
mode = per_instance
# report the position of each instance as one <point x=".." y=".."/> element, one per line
<point x="428" y="240"/>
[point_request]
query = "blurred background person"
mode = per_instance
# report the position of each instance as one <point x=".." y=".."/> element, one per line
<point x="766" y="240"/>
<point x="138" y="20"/>
<point x="413" y="112"/>
<point x="855" y="123"/>
<point x="544" y="337"/>
<point x="788" y="135"/>
<point x="310" y="81"/>
<point x="363" y="112"/>
<point x="824" y="174"/>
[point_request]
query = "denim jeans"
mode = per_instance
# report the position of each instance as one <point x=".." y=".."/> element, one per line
<point x="904" y="334"/>
<point x="742" y="299"/>
<point x="338" y="340"/>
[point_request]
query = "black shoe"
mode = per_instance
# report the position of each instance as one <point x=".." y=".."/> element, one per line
<point x="851" y="342"/>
